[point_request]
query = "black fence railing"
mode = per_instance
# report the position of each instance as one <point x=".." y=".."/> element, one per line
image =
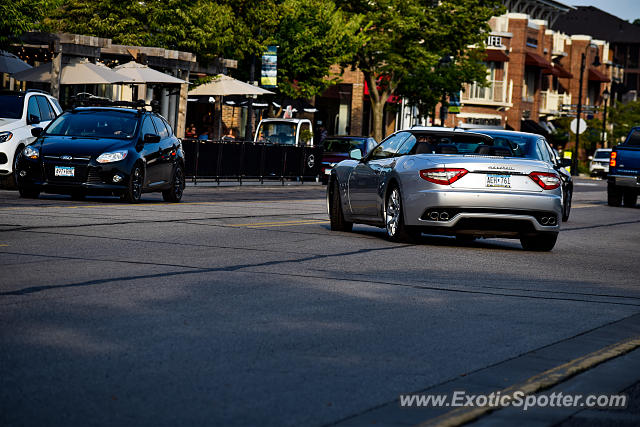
<point x="238" y="160"/>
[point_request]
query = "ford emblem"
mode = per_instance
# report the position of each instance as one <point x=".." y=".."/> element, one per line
<point x="66" y="157"/>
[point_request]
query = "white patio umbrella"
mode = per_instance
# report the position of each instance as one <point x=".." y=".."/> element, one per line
<point x="223" y="85"/>
<point x="9" y="63"/>
<point x="78" y="72"/>
<point x="142" y="74"/>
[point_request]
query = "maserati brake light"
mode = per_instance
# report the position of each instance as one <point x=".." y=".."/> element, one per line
<point x="548" y="181"/>
<point x="442" y="176"/>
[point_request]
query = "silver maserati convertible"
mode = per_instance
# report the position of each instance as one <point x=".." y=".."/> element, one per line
<point x="447" y="182"/>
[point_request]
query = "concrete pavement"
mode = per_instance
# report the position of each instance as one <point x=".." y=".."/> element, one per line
<point x="240" y="307"/>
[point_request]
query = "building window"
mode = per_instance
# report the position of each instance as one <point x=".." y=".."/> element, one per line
<point x="631" y="81"/>
<point x="633" y="57"/>
<point x="529" y="86"/>
<point x="479" y="92"/>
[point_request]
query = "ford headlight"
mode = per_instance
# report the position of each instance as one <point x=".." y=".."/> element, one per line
<point x="5" y="136"/>
<point x="115" y="156"/>
<point x="31" y="152"/>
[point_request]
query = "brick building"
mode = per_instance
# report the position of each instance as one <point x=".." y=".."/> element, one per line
<point x="533" y="75"/>
<point x="624" y="41"/>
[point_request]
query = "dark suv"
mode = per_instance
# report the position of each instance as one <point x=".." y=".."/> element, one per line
<point x="103" y="150"/>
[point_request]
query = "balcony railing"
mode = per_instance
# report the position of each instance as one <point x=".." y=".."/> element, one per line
<point x="495" y="93"/>
<point x="551" y="102"/>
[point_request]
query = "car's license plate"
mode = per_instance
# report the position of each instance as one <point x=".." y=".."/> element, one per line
<point x="499" y="181"/>
<point x="64" y="171"/>
<point x="327" y="171"/>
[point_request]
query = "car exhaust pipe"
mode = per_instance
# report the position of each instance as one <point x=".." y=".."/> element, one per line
<point x="544" y="220"/>
<point x="433" y="216"/>
<point x="444" y="216"/>
<point x="552" y="220"/>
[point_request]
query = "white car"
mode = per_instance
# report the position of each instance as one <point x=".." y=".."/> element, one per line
<point x="600" y="162"/>
<point x="19" y="113"/>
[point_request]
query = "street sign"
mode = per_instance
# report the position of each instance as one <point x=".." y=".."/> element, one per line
<point x="574" y="124"/>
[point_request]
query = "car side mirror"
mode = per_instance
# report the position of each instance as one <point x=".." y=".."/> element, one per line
<point x="150" y="138"/>
<point x="33" y="119"/>
<point x="565" y="163"/>
<point x="36" y="132"/>
<point x="355" y="154"/>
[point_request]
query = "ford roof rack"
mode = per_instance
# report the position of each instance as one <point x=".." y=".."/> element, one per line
<point x="88" y="100"/>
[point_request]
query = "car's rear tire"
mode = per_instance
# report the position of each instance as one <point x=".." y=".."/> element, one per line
<point x="397" y="231"/>
<point x="28" y="193"/>
<point x="539" y="242"/>
<point x="630" y="199"/>
<point x="174" y="194"/>
<point x="133" y="193"/>
<point x="336" y="216"/>
<point x="614" y="195"/>
<point x="566" y="207"/>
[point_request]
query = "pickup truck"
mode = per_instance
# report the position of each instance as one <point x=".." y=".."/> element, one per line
<point x="285" y="131"/>
<point x="624" y="171"/>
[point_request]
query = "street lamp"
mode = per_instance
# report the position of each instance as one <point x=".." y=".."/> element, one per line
<point x="596" y="63"/>
<point x="605" y="97"/>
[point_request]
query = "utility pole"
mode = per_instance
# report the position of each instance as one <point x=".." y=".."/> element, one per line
<point x="574" y="159"/>
<point x="605" y="97"/>
<point x="248" y="130"/>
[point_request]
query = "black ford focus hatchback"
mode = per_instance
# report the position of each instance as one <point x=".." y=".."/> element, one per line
<point x="103" y="150"/>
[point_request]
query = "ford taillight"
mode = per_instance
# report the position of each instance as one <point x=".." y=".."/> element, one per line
<point x="443" y="176"/>
<point x="614" y="156"/>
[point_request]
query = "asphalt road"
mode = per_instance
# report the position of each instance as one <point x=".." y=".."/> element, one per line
<point x="240" y="307"/>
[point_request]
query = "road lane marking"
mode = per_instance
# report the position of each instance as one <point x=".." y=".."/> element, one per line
<point x="588" y="184"/>
<point x="281" y="223"/>
<point x="544" y="380"/>
<point x="584" y="205"/>
<point x="143" y="205"/>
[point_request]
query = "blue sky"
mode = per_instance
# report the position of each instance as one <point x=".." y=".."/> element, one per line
<point x="624" y="9"/>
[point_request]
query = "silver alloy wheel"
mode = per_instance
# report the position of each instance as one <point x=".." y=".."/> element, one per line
<point x="392" y="212"/>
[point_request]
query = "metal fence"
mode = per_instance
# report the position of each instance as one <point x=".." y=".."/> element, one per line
<point x="222" y="161"/>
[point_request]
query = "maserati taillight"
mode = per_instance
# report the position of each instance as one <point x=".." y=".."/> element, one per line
<point x="548" y="181"/>
<point x="442" y="176"/>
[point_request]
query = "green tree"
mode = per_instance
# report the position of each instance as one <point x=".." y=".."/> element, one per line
<point x="623" y="117"/>
<point x="19" y="16"/>
<point x="407" y="40"/>
<point x="203" y="27"/>
<point x="425" y="88"/>
<point x="255" y="26"/>
<point x="312" y="36"/>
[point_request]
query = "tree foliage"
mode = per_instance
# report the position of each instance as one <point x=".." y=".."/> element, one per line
<point x="312" y="36"/>
<point x="408" y="38"/>
<point x="623" y="117"/>
<point x="199" y="26"/>
<point x="19" y="16"/>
